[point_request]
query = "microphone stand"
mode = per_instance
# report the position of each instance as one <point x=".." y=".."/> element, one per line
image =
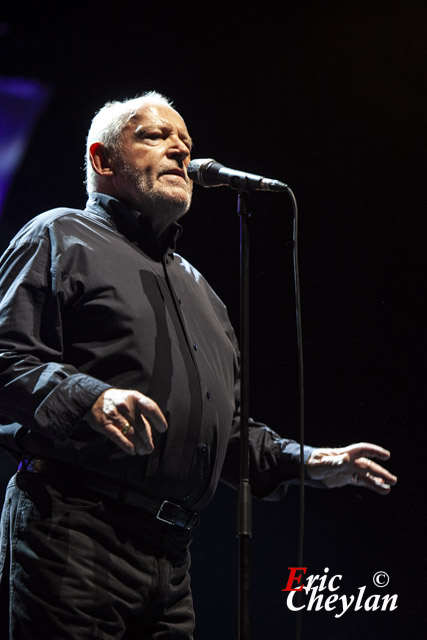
<point x="244" y="506"/>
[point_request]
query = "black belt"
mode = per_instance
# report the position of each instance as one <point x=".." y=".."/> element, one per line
<point x="164" y="510"/>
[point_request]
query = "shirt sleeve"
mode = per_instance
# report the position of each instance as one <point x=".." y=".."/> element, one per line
<point x="37" y="389"/>
<point x="274" y="462"/>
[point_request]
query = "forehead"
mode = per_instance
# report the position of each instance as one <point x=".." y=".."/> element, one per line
<point x="157" y="115"/>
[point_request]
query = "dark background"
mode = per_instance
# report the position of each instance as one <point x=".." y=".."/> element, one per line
<point x="329" y="97"/>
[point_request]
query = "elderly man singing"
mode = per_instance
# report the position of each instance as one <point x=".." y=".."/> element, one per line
<point x="119" y="397"/>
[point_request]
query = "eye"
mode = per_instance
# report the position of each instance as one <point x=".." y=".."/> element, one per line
<point x="143" y="134"/>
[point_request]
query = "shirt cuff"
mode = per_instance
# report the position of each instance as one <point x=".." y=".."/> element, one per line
<point x="292" y="451"/>
<point x="67" y="404"/>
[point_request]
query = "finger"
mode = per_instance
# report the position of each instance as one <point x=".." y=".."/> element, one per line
<point x="126" y="435"/>
<point x="369" y="450"/>
<point x="125" y="427"/>
<point x="151" y="411"/>
<point x="115" y="434"/>
<point x="132" y="412"/>
<point x="364" y="467"/>
<point x="139" y="434"/>
<point x="143" y="435"/>
<point x="133" y="434"/>
<point x="373" y="483"/>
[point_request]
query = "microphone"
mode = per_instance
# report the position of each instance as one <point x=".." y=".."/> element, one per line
<point x="209" y="173"/>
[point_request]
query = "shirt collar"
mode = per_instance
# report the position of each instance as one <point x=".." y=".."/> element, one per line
<point x="132" y="224"/>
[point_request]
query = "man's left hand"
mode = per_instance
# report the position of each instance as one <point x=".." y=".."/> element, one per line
<point x="351" y="465"/>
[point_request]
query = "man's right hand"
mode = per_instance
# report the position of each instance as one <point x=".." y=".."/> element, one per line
<point x="127" y="418"/>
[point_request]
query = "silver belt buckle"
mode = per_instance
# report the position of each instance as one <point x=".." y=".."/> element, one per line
<point x="158" y="516"/>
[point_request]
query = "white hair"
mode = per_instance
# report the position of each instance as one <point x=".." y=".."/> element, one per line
<point x="108" y="124"/>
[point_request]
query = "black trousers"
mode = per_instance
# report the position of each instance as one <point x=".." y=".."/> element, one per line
<point x="83" y="567"/>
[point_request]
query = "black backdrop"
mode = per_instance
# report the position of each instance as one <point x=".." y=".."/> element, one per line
<point x="329" y="97"/>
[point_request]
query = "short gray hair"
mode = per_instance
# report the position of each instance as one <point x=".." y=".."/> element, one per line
<point x="108" y="124"/>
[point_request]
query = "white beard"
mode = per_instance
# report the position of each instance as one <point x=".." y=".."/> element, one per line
<point x="163" y="206"/>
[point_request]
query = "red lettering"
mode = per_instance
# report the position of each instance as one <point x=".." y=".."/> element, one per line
<point x="293" y="578"/>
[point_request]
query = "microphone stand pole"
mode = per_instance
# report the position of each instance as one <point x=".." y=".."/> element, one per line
<point x="244" y="507"/>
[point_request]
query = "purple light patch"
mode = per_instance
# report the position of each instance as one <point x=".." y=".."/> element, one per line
<point x="21" y="102"/>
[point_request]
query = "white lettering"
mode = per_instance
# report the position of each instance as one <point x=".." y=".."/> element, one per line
<point x="329" y="600"/>
<point x="290" y="604"/>
<point x="334" y="602"/>
<point x="315" y="601"/>
<point x="331" y="583"/>
<point x="375" y="605"/>
<point x="387" y="599"/>
<point x="310" y="580"/>
<point x="345" y="606"/>
<point x="322" y="585"/>
<point x="358" y="604"/>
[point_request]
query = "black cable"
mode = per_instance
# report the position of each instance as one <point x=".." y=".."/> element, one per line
<point x="300" y="399"/>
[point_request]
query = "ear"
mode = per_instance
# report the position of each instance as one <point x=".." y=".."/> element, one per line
<point x="100" y="159"/>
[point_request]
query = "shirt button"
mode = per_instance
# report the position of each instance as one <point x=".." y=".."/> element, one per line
<point x="195" y="347"/>
<point x="208" y="394"/>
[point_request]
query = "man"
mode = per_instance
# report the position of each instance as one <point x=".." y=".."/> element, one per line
<point x="119" y="392"/>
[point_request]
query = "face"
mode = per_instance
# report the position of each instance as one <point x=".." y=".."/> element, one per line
<point x="150" y="171"/>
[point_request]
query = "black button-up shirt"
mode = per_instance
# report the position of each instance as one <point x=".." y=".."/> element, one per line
<point x="90" y="300"/>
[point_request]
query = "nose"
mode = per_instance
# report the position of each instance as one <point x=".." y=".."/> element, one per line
<point x="178" y="149"/>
